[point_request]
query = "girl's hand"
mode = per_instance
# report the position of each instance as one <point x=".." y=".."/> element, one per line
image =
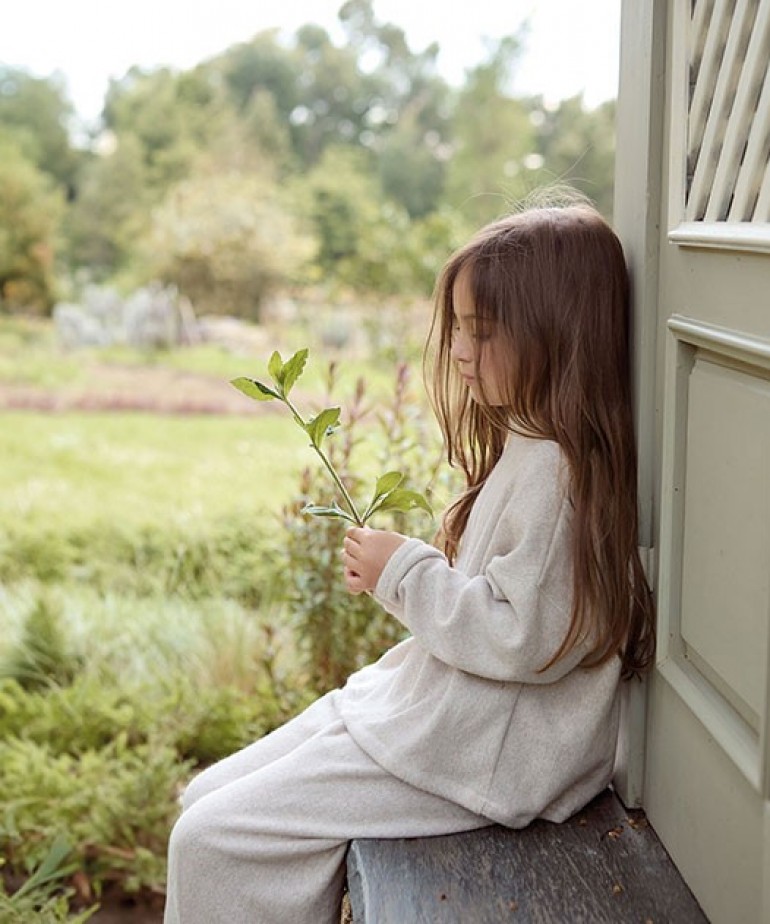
<point x="365" y="552"/>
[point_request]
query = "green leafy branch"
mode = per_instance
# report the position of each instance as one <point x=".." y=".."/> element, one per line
<point x="388" y="491"/>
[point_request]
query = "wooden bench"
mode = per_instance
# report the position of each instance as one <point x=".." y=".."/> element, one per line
<point x="605" y="864"/>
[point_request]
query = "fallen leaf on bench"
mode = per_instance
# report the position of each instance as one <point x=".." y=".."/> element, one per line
<point x="638" y="823"/>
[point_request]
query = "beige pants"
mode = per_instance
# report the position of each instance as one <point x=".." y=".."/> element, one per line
<point x="263" y="834"/>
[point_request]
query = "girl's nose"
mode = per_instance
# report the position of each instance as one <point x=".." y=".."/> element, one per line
<point x="462" y="348"/>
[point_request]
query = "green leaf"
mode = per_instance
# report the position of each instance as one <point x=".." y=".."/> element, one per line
<point x="401" y="500"/>
<point x="254" y="389"/>
<point x="322" y="425"/>
<point x="387" y="482"/>
<point x="275" y="368"/>
<point x="51" y="868"/>
<point x="334" y="510"/>
<point x="292" y="370"/>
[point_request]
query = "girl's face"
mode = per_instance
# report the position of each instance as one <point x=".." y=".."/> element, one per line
<point x="473" y="346"/>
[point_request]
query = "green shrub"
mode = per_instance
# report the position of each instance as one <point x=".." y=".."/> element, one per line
<point x="81" y="717"/>
<point x="40" y="897"/>
<point x="41" y="656"/>
<point x="338" y="633"/>
<point x="227" y="558"/>
<point x="115" y="805"/>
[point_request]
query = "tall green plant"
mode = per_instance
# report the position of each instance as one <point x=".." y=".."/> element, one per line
<point x="388" y="494"/>
<point x="338" y="633"/>
<point x="41" y="657"/>
<point x="39" y="898"/>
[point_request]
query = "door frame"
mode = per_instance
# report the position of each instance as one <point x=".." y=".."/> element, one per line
<point x="637" y="217"/>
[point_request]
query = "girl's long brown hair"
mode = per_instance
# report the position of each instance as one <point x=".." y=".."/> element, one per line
<point x="550" y="286"/>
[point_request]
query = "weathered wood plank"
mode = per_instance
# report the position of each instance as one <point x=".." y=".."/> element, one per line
<point x="603" y="865"/>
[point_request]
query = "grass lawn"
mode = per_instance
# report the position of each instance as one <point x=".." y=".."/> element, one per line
<point x="155" y="611"/>
<point x="73" y="469"/>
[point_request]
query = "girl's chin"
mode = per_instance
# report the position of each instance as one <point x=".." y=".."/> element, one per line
<point x="491" y="400"/>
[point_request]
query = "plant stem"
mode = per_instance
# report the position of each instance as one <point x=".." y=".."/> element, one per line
<point x="329" y="467"/>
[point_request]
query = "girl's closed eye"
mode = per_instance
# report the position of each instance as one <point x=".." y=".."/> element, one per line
<point x="482" y="331"/>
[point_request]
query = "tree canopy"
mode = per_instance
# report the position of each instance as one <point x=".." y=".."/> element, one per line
<point x="290" y="162"/>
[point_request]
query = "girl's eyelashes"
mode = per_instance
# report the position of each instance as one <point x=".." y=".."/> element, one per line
<point x="477" y="331"/>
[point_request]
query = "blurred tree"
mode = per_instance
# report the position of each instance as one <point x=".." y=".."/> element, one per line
<point x="408" y="120"/>
<point x="30" y="209"/>
<point x="173" y="116"/>
<point x="367" y="242"/>
<point x="577" y="146"/>
<point x="111" y="211"/>
<point x="36" y="112"/>
<point x="432" y="239"/>
<point x="341" y="199"/>
<point x="226" y="240"/>
<point x="261" y="65"/>
<point x="493" y="135"/>
<point x="264" y="131"/>
<point x="384" y="160"/>
<point x="334" y="95"/>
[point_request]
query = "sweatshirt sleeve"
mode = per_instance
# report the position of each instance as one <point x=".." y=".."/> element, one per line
<point x="506" y="622"/>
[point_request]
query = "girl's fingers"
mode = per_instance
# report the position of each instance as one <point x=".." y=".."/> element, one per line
<point x="353" y="582"/>
<point x="351" y="547"/>
<point x="348" y="560"/>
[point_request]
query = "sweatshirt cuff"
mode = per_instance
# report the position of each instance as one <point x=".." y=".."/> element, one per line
<point x="398" y="565"/>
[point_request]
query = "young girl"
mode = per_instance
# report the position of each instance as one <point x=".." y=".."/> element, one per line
<point x="502" y="705"/>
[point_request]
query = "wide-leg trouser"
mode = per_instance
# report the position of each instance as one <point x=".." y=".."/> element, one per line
<point x="263" y="834"/>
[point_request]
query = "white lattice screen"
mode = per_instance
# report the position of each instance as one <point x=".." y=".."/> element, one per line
<point x="728" y="124"/>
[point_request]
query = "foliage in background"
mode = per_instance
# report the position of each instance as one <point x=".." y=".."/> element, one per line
<point x="227" y="241"/>
<point x="338" y="633"/>
<point x="99" y="754"/>
<point x="30" y="208"/>
<point x="358" y="144"/>
<point x="163" y="602"/>
<point x="111" y="211"/>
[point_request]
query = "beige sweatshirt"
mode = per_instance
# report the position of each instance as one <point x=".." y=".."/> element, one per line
<point x="459" y="708"/>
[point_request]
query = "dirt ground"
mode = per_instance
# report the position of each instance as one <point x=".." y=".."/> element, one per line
<point x="113" y="912"/>
<point x="132" y="388"/>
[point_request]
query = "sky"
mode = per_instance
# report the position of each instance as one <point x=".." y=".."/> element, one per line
<point x="572" y="47"/>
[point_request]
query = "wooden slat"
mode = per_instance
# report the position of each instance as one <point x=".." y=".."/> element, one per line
<point x="762" y="208"/>
<point x="708" y="71"/>
<point x="719" y="111"/>
<point x="756" y="157"/>
<point x="698" y="29"/>
<point x="742" y="115"/>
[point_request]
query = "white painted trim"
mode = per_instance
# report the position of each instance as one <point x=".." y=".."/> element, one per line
<point x="747" y="750"/>
<point x="638" y="177"/>
<point x="766" y="864"/>
<point x="718" y="717"/>
<point x="677" y="89"/>
<point x="723" y="235"/>
<point x="746" y="348"/>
